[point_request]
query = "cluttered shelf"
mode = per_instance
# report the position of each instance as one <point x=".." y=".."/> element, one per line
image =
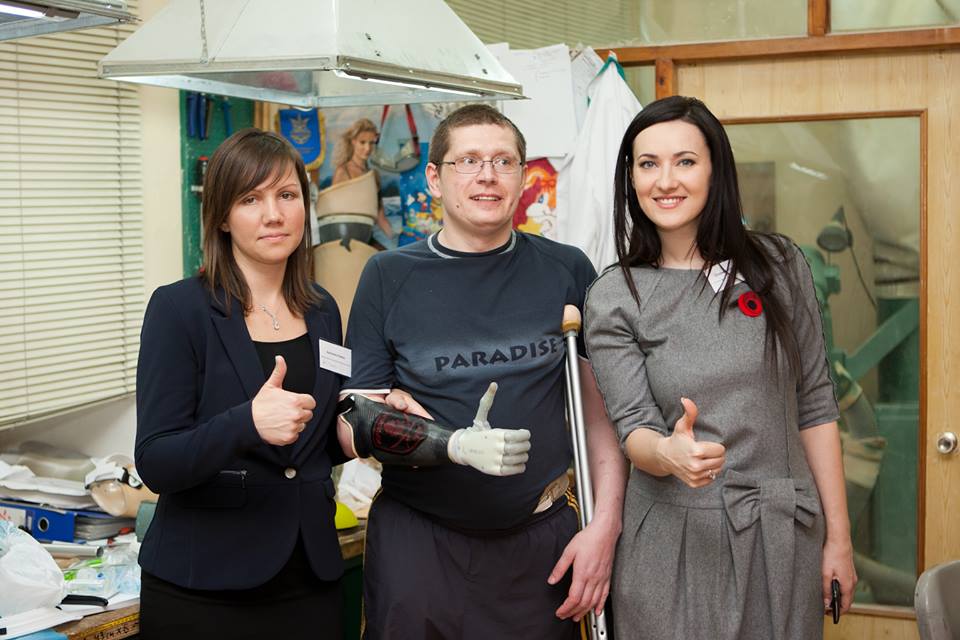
<point x="71" y="526"/>
<point x="124" y="622"/>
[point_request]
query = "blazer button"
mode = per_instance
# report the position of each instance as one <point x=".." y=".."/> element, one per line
<point x="290" y="473"/>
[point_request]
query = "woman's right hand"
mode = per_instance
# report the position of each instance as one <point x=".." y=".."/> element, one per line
<point x="279" y="415"/>
<point x="697" y="464"/>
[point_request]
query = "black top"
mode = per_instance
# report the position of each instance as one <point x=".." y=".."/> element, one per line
<point x="444" y="324"/>
<point x="301" y="367"/>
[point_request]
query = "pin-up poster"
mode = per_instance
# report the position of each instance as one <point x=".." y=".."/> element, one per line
<point x="407" y="204"/>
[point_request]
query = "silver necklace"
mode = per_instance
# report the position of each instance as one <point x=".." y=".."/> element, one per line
<point x="273" y="316"/>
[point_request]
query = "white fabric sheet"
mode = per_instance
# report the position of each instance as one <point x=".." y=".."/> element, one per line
<point x="585" y="180"/>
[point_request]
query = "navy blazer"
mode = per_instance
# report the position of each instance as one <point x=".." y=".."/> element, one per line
<point x="231" y="506"/>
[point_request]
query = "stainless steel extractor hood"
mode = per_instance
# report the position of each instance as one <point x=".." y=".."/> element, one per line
<point x="313" y="53"/>
<point x="22" y="18"/>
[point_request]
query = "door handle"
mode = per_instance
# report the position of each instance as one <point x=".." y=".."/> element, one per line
<point x="946" y="442"/>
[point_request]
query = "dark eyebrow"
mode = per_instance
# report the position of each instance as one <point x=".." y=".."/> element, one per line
<point x="676" y="155"/>
<point x="291" y="186"/>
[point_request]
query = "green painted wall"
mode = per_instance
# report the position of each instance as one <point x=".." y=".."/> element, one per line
<point x="241" y="116"/>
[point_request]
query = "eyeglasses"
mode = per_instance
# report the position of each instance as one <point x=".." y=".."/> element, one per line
<point x="472" y="164"/>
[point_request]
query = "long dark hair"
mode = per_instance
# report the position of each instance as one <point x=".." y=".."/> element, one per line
<point x="720" y="231"/>
<point x="240" y="163"/>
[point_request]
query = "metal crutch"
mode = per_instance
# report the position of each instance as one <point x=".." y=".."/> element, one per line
<point x="571" y="327"/>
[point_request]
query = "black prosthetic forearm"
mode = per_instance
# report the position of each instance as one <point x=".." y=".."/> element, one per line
<point x="394" y="437"/>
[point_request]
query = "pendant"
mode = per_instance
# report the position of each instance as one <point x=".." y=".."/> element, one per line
<point x="273" y="316"/>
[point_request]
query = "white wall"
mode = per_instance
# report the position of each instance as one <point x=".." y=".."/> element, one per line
<point x="110" y="427"/>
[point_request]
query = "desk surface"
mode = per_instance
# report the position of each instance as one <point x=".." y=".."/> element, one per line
<point x="352" y="541"/>
<point x="109" y="625"/>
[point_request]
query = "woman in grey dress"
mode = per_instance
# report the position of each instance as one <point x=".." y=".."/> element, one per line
<point x="707" y="345"/>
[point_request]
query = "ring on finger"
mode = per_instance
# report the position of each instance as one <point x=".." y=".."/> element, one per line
<point x="712" y="474"/>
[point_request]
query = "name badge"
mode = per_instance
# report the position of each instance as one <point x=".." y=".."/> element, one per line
<point x="335" y="358"/>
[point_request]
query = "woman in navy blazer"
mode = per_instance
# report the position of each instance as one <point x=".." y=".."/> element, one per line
<point x="235" y="416"/>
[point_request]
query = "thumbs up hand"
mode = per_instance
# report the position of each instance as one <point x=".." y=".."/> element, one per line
<point x="495" y="452"/>
<point x="697" y="464"/>
<point x="280" y="415"/>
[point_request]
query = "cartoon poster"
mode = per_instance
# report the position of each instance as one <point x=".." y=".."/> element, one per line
<point x="536" y="211"/>
<point x="422" y="214"/>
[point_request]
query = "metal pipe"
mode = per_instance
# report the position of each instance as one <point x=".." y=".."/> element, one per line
<point x="597" y="625"/>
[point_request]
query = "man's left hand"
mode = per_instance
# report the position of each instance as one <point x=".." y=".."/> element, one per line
<point x="401" y="400"/>
<point x="590" y="552"/>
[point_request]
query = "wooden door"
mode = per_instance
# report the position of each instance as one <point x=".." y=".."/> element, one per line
<point x="927" y="83"/>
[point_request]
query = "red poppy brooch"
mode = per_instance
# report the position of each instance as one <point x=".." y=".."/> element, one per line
<point x="750" y="304"/>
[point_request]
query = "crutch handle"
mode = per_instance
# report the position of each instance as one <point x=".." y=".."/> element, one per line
<point x="571" y="319"/>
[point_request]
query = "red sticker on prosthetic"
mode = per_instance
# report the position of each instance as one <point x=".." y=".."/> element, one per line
<point x="399" y="435"/>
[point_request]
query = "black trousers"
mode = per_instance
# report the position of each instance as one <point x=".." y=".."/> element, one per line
<point x="424" y="581"/>
<point x="292" y="605"/>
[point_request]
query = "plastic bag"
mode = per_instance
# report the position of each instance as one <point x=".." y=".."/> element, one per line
<point x="29" y="578"/>
<point x="358" y="483"/>
<point x="116" y="571"/>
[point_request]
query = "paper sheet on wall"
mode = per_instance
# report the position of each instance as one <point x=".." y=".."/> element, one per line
<point x="583" y="69"/>
<point x="547" y="119"/>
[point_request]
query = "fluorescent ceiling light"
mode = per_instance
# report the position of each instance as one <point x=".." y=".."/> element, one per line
<point x="313" y="53"/>
<point x="25" y="18"/>
<point x="399" y="83"/>
<point x="20" y="11"/>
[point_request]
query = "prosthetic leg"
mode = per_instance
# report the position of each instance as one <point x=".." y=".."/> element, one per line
<point x="597" y="625"/>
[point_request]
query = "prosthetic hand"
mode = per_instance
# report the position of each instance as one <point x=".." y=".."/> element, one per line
<point x="496" y="452"/>
<point x="393" y="437"/>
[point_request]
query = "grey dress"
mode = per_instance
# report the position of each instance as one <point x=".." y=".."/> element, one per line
<point x="739" y="558"/>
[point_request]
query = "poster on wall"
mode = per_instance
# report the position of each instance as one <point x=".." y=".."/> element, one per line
<point x="399" y="157"/>
<point x="536" y="210"/>
<point x="420" y="213"/>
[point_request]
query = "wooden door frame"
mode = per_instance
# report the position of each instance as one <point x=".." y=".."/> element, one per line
<point x="819" y="41"/>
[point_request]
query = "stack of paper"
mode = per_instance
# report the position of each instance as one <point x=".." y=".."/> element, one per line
<point x="20" y="483"/>
<point x="91" y="525"/>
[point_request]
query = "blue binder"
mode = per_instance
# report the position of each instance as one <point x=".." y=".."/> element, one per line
<point x="46" y="524"/>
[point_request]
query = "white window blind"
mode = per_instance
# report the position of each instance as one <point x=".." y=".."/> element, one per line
<point x="71" y="245"/>
<point x="527" y="25"/>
